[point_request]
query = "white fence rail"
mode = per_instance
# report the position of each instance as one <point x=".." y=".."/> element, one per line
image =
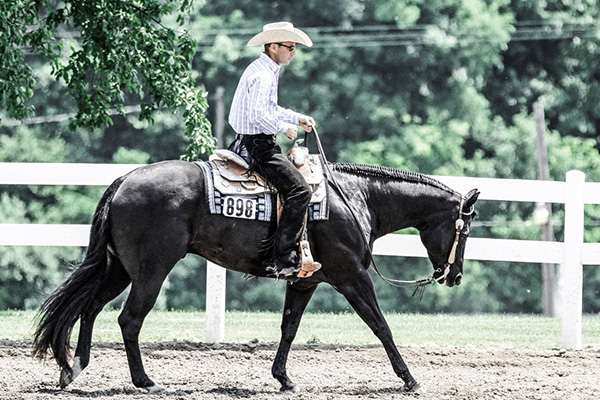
<point x="572" y="254"/>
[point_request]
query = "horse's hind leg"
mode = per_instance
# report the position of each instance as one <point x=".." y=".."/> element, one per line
<point x="295" y="304"/>
<point x="140" y="301"/>
<point x="116" y="281"/>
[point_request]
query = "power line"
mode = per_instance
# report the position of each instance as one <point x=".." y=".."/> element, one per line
<point x="418" y="35"/>
<point x="9" y="122"/>
<point x="525" y="30"/>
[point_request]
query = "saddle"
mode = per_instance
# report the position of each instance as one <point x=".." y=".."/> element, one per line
<point x="232" y="174"/>
<point x="235" y="191"/>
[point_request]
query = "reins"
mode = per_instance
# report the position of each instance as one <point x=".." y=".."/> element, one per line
<point x="418" y="283"/>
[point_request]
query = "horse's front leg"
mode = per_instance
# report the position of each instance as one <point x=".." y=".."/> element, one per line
<point x="296" y="300"/>
<point x="360" y="293"/>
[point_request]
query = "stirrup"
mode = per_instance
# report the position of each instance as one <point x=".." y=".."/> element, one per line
<point x="309" y="265"/>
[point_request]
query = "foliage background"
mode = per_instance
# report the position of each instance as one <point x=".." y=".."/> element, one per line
<point x="438" y="86"/>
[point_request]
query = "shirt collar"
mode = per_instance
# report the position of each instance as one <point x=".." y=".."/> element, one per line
<point x="268" y="61"/>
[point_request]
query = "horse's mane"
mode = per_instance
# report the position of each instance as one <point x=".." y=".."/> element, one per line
<point x="389" y="173"/>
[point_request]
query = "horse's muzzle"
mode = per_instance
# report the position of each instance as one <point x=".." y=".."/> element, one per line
<point x="450" y="282"/>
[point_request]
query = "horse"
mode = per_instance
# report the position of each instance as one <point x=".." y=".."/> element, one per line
<point x="150" y="218"/>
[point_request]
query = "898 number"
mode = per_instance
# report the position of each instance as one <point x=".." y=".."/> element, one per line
<point x="239" y="207"/>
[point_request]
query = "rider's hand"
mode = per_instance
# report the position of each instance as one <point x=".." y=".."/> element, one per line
<point x="292" y="132"/>
<point x="307" y="122"/>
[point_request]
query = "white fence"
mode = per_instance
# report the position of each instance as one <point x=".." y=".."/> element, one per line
<point x="572" y="254"/>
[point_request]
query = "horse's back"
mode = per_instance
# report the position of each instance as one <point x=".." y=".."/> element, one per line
<point x="175" y="181"/>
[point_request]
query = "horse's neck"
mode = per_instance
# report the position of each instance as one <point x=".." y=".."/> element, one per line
<point x="396" y="204"/>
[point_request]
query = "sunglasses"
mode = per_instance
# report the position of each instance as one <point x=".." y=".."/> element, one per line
<point x="290" y="48"/>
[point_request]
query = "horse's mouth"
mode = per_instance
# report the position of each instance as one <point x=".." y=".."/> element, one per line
<point x="453" y="281"/>
<point x="449" y="281"/>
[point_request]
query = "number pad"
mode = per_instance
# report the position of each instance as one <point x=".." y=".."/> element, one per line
<point x="239" y="207"/>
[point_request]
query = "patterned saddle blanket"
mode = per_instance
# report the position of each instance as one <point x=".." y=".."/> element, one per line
<point x="234" y="191"/>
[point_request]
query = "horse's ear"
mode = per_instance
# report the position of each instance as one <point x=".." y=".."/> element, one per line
<point x="471" y="198"/>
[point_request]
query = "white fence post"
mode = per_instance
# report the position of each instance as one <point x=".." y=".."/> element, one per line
<point x="215" y="303"/>
<point x="573" y="268"/>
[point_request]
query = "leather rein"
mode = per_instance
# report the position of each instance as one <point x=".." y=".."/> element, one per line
<point x="417" y="283"/>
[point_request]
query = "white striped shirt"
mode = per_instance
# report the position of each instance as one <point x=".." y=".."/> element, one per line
<point x="254" y="108"/>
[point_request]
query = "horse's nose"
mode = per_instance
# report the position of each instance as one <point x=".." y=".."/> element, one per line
<point x="458" y="279"/>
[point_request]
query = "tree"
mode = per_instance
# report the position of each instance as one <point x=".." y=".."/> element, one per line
<point x="554" y="55"/>
<point x="437" y="86"/>
<point x="112" y="52"/>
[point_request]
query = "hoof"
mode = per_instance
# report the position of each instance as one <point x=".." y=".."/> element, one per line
<point x="411" y="387"/>
<point x="66" y="377"/>
<point x="156" y="388"/>
<point x="290" y="388"/>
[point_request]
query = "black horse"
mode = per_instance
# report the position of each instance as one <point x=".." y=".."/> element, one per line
<point x="149" y="219"/>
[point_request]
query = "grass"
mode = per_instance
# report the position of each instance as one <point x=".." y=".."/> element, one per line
<point x="418" y="330"/>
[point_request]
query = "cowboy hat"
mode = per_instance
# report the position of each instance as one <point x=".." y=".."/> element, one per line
<point x="280" y="32"/>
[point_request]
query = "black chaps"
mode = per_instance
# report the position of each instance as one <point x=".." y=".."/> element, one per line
<point x="279" y="171"/>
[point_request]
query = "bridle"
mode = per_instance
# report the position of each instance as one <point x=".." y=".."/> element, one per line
<point x="459" y="225"/>
<point x="418" y="283"/>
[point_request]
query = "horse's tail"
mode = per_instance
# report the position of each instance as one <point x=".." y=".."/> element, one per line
<point x="64" y="307"/>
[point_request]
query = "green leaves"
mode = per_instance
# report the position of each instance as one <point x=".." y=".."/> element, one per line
<point x="195" y="104"/>
<point x="16" y="78"/>
<point x="122" y="51"/>
<point x="403" y="13"/>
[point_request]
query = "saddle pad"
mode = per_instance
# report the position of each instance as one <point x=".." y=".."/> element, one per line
<point x="260" y="205"/>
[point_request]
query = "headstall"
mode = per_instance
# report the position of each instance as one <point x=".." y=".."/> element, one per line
<point x="459" y="225"/>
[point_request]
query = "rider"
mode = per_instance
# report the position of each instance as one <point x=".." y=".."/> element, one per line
<point x="257" y="118"/>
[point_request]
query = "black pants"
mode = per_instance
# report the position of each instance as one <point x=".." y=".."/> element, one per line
<point x="275" y="167"/>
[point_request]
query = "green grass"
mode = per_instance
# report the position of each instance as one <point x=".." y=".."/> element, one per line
<point x="419" y="330"/>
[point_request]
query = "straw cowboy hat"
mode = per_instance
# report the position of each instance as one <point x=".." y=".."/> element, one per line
<point x="277" y="32"/>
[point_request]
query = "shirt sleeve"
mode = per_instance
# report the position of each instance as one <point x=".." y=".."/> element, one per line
<point x="287" y="115"/>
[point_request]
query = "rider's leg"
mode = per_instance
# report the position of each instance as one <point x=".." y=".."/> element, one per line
<point x="296" y="193"/>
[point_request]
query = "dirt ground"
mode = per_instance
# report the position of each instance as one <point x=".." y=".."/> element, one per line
<point x="200" y="371"/>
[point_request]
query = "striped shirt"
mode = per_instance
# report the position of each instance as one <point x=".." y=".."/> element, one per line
<point x="254" y="108"/>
